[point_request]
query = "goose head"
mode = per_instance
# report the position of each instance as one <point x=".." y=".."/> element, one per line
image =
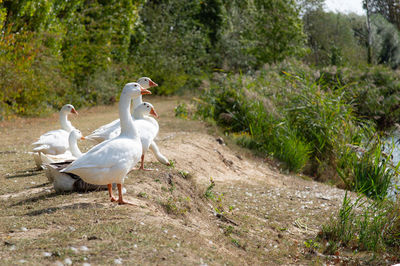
<point x="68" y="109"/>
<point x="134" y="90"/>
<point x="146" y="108"/>
<point x="146" y="82"/>
<point x="76" y="134"/>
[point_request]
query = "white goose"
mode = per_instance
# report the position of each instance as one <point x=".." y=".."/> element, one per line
<point x="66" y="182"/>
<point x="147" y="127"/>
<point x="108" y="131"/>
<point x="111" y="130"/>
<point x="55" y="141"/>
<point x="110" y="161"/>
<point x="72" y="153"/>
<point x="54" y="161"/>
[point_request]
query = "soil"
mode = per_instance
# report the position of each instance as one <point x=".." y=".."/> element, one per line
<point x="217" y="204"/>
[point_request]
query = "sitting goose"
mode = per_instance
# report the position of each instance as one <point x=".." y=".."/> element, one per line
<point x="55" y="141"/>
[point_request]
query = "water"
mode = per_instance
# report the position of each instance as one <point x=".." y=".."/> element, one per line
<point x="390" y="143"/>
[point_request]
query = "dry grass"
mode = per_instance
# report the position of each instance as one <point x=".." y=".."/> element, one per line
<point x="266" y="217"/>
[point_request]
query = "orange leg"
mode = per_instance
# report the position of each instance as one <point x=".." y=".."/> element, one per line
<point x="142" y="165"/>
<point x="110" y="193"/>
<point x="120" y="200"/>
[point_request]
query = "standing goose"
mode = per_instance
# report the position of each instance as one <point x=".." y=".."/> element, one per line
<point x="147" y="127"/>
<point x="110" y="161"/>
<point x="55" y="141"/>
<point x="108" y="131"/>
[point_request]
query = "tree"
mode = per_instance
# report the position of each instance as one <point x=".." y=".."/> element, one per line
<point x="260" y="31"/>
<point x="389" y="9"/>
<point x="332" y="38"/>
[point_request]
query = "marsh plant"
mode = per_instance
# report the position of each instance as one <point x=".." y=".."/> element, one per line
<point x="302" y="120"/>
<point x="364" y="225"/>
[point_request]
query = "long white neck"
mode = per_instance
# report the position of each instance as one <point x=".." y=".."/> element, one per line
<point x="65" y="124"/>
<point x="127" y="127"/>
<point x="73" y="146"/>
<point x="137" y="114"/>
<point x="136" y="102"/>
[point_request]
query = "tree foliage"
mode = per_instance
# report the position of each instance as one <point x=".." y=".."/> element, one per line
<point x="389" y="9"/>
<point x="333" y="38"/>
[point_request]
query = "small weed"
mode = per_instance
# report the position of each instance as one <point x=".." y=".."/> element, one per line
<point x="331" y="248"/>
<point x="185" y="174"/>
<point x="181" y="111"/>
<point x="237" y="243"/>
<point x="310" y="246"/>
<point x="170" y="206"/>
<point x="177" y="206"/>
<point x="163" y="188"/>
<point x="228" y="230"/>
<point x="171" y="164"/>
<point x="143" y="195"/>
<point x="209" y="194"/>
<point x="172" y="187"/>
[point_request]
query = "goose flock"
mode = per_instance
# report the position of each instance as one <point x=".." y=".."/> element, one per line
<point x="121" y="144"/>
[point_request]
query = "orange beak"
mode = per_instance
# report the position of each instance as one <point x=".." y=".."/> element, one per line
<point x="153" y="113"/>
<point x="152" y="84"/>
<point x="73" y="111"/>
<point x="83" y="138"/>
<point x="144" y="91"/>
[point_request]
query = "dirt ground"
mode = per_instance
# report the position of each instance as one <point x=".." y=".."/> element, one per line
<point x="266" y="215"/>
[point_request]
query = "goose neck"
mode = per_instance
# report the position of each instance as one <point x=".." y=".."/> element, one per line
<point x="65" y="124"/>
<point x="136" y="102"/>
<point x="73" y="146"/>
<point x="127" y="126"/>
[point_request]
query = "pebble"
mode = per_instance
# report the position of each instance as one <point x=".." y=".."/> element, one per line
<point x="24" y="229"/>
<point x="58" y="263"/>
<point x="141" y="223"/>
<point x="46" y="254"/>
<point x="86" y="264"/>
<point x="68" y="261"/>
<point x="75" y="250"/>
<point x="84" y="248"/>
<point x="22" y="261"/>
<point x="135" y="246"/>
<point x="118" y="261"/>
<point x="165" y="231"/>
